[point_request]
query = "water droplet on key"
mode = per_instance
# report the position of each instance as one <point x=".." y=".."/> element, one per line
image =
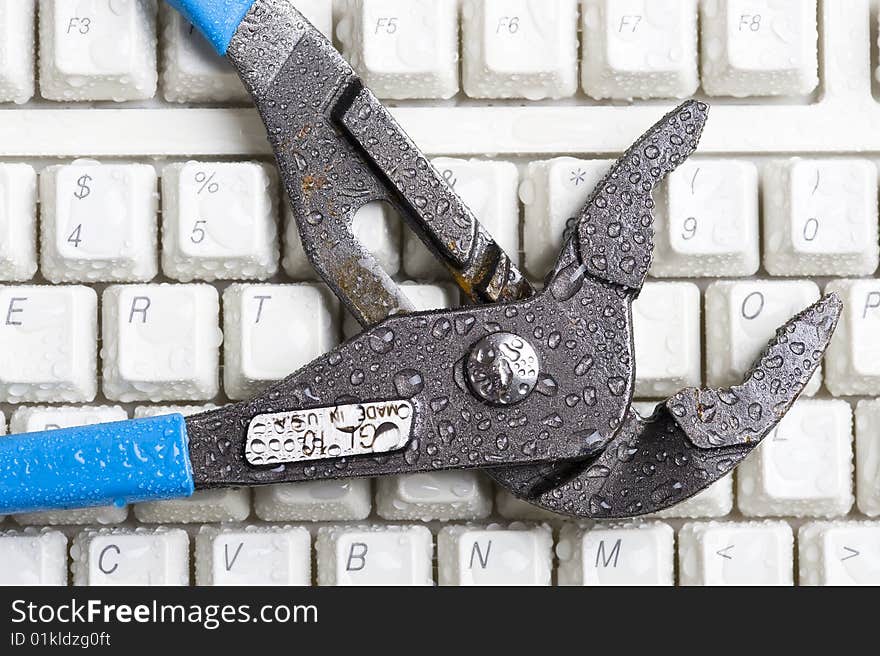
<point x="365" y="112"/>
<point x="357" y="377"/>
<point x="314" y="218"/>
<point x="652" y="152"/>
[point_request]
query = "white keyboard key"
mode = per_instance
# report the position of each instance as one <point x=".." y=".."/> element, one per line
<point x="98" y="50"/>
<point x="33" y="557"/>
<point x="759" y="47"/>
<point x="554" y="192"/>
<point x="143" y="411"/>
<point x="221" y="505"/>
<point x="161" y="342"/>
<point x="520" y="48"/>
<point x="33" y="419"/>
<point x="254" y="556"/>
<point x="375" y="555"/>
<point x="742" y="317"/>
<point x="868" y="457"/>
<point x="839" y="553"/>
<point x="37" y="419"/>
<point x="99" y="222"/>
<point x="490" y="190"/>
<point x="715" y="501"/>
<point x="509" y="507"/>
<point x="219" y="221"/>
<point x="192" y="71"/>
<point x="667" y="331"/>
<point x="706" y="221"/>
<point x="133" y="557"/>
<point x="272" y="331"/>
<point x="377" y="226"/>
<point x="820" y="217"/>
<point x="744" y="553"/>
<point x="495" y="555"/>
<point x="48" y="338"/>
<point x="403" y="48"/>
<point x="315" y="501"/>
<point x="18" y="222"/>
<point x="16" y="50"/>
<point x="424" y="297"/>
<point x="804" y="467"/>
<point x="630" y="554"/>
<point x="640" y="48"/>
<point x="434" y="496"/>
<point x="853" y="358"/>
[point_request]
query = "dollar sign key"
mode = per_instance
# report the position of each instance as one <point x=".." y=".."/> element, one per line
<point x="84" y="189"/>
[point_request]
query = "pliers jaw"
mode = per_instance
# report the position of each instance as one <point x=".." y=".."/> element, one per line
<point x="691" y="440"/>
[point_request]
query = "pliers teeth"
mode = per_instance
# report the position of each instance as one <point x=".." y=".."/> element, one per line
<point x="615" y="231"/>
<point x="694" y="438"/>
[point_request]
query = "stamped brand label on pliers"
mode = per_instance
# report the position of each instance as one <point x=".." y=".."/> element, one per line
<point x="331" y="432"/>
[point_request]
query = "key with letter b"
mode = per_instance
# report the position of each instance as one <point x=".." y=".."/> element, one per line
<point x="375" y="555"/>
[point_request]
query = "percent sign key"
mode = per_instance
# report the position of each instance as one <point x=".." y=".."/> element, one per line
<point x="207" y="182"/>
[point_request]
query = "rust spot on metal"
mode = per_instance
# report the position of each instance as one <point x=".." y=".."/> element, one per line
<point x="312" y="183"/>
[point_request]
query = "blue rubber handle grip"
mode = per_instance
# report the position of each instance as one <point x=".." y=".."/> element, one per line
<point x="216" y="19"/>
<point x="118" y="463"/>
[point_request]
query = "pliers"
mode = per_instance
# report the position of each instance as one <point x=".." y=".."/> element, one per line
<point x="533" y="387"/>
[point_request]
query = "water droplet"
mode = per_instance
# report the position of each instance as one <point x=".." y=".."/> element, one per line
<point x="381" y="340"/>
<point x="547" y="385"/>
<point x="616" y="385"/>
<point x="439" y="404"/>
<point x="553" y="420"/>
<point x="442" y="328"/>
<point x="464" y="324"/>
<point x="568" y="282"/>
<point x="408" y="383"/>
<point x="584" y="365"/>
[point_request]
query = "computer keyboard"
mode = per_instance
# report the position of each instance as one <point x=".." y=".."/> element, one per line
<point x="149" y="264"/>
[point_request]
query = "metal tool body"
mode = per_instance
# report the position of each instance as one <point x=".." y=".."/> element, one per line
<point x="534" y="388"/>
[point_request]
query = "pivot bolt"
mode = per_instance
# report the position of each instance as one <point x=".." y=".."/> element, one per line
<point x="502" y="369"/>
